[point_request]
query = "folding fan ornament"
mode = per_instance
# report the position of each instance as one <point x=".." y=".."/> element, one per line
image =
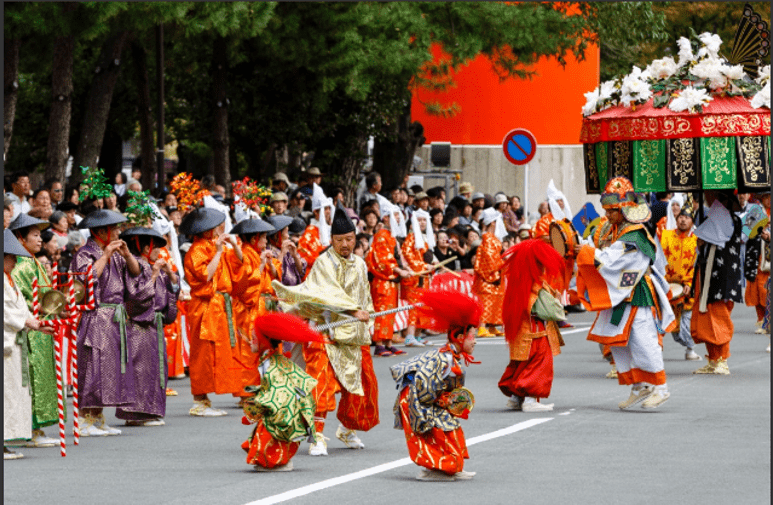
<point x="752" y="42"/>
<point x="188" y="191"/>
<point x="95" y="185"/>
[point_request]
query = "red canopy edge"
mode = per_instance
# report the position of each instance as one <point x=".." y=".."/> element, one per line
<point x="722" y="117"/>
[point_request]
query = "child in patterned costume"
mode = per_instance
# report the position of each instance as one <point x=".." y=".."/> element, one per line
<point x="426" y="383"/>
<point x="282" y="406"/>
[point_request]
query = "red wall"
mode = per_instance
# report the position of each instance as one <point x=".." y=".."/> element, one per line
<point x="549" y="105"/>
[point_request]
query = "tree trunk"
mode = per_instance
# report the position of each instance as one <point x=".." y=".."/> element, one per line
<point x="98" y="104"/>
<point x="61" y="108"/>
<point x="393" y="158"/>
<point x="350" y="169"/>
<point x="220" y="123"/>
<point x="11" y="73"/>
<point x="111" y="154"/>
<point x="147" y="150"/>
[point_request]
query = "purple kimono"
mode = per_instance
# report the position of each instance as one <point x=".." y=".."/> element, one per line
<point x="105" y="376"/>
<point x="290" y="276"/>
<point x="150" y="306"/>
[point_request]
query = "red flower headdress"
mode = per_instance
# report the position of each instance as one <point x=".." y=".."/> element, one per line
<point x="252" y="195"/>
<point x="187" y="190"/>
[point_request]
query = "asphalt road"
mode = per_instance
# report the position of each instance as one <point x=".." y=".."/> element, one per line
<point x="709" y="444"/>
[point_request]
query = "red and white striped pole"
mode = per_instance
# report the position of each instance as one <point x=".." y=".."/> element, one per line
<point x="35" y="301"/>
<point x="60" y="396"/>
<point x="74" y="362"/>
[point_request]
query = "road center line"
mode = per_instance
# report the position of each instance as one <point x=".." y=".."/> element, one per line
<point x="343" y="479"/>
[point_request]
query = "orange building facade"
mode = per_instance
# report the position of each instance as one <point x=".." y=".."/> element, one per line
<point x="549" y="105"/>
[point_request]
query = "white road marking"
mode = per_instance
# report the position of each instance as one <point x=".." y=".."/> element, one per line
<point x="343" y="479"/>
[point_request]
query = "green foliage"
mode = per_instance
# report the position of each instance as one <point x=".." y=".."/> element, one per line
<point x="95" y="185"/>
<point x="138" y="209"/>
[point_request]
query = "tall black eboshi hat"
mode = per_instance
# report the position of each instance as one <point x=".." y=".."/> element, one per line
<point x="342" y="224"/>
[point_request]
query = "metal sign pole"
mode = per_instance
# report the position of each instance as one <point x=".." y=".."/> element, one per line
<point x="526" y="192"/>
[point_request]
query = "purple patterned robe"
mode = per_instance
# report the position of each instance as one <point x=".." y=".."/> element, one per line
<point x="290" y="276"/>
<point x="148" y="350"/>
<point x="101" y="382"/>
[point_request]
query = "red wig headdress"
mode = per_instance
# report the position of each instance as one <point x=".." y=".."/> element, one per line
<point x="450" y="310"/>
<point x="528" y="262"/>
<point x="285" y="327"/>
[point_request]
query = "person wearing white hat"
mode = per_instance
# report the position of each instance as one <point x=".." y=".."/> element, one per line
<point x="668" y="222"/>
<point x="487" y="283"/>
<point x="419" y="242"/>
<point x="382" y="261"/>
<point x="317" y="235"/>
<point x="17" y="319"/>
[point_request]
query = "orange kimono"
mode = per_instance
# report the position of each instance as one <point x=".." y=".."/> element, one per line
<point x="212" y="367"/>
<point x="382" y="263"/>
<point x="248" y="286"/>
<point x="487" y="284"/>
<point x="542" y="227"/>
<point x="173" y="333"/>
<point x="411" y="287"/>
<point x="310" y="247"/>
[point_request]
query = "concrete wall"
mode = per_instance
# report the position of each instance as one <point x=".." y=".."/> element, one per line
<point x="486" y="167"/>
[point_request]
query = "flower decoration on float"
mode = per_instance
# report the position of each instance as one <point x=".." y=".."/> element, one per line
<point x="188" y="191"/>
<point x="95" y="185"/>
<point x="253" y="195"/>
<point x="139" y="212"/>
<point x="686" y="84"/>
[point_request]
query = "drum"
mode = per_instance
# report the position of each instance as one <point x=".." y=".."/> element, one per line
<point x="461" y="399"/>
<point x="677" y="291"/>
<point x="563" y="238"/>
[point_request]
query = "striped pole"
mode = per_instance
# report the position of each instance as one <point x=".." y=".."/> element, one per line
<point x="55" y="275"/>
<point x="60" y="396"/>
<point x="91" y="305"/>
<point x="336" y="324"/>
<point x="74" y="362"/>
<point x="35" y="301"/>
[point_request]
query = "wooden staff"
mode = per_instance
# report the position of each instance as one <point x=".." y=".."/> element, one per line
<point x="435" y="266"/>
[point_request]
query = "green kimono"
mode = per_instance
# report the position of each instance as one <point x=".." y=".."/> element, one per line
<point x="42" y="365"/>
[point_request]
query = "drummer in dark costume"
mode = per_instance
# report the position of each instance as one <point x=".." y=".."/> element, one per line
<point x="680" y="248"/>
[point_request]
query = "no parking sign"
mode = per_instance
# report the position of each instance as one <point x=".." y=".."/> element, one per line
<point x="519" y="146"/>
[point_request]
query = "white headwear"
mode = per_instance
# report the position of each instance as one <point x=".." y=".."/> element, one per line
<point x="211" y="203"/>
<point x="416" y="227"/>
<point x="718" y="226"/>
<point x="242" y="212"/>
<point x="489" y="216"/>
<point x="396" y="218"/>
<point x="165" y="227"/>
<point x="553" y="196"/>
<point x="320" y="201"/>
<point x="670" y="217"/>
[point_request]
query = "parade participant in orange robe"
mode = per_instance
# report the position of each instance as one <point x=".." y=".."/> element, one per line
<point x="415" y="248"/>
<point x="531" y="266"/>
<point x="487" y="283"/>
<point x="382" y="263"/>
<point x="252" y="281"/>
<point x="212" y="338"/>
<point x="337" y="289"/>
<point x="316" y="237"/>
<point x="757" y="268"/>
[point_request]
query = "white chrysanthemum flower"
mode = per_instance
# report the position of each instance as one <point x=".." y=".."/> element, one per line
<point x="685" y="51"/>
<point x="606" y="89"/>
<point x="762" y="97"/>
<point x="711" y="70"/>
<point x="688" y="99"/>
<point x="711" y="43"/>
<point x="634" y="90"/>
<point x="662" y="69"/>
<point x="591" y="99"/>
<point x="732" y="72"/>
<point x="764" y="74"/>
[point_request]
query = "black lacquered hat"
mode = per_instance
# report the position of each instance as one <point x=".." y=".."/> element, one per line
<point x="100" y="218"/>
<point x="11" y="245"/>
<point x="200" y="220"/>
<point x="250" y="226"/>
<point x="25" y="221"/>
<point x="141" y="231"/>
<point x="279" y="223"/>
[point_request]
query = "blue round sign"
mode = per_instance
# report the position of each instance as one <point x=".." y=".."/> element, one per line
<point x="519" y="146"/>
